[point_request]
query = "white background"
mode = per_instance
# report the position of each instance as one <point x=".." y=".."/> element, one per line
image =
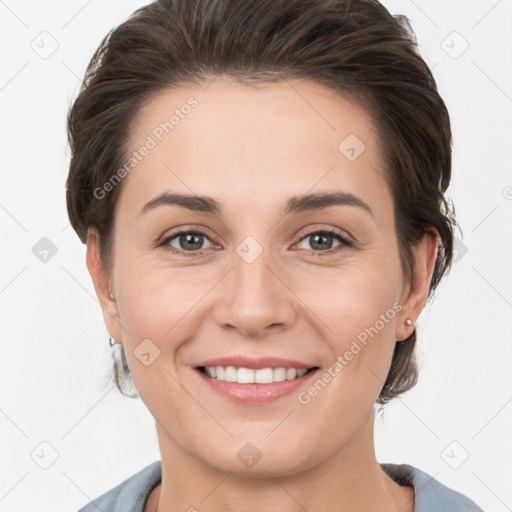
<point x="55" y="357"/>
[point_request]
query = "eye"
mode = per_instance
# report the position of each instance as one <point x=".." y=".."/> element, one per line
<point x="322" y="241"/>
<point x="186" y="241"/>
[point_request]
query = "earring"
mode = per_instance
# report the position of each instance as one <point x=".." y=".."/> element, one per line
<point x="111" y="341"/>
<point x="408" y="322"/>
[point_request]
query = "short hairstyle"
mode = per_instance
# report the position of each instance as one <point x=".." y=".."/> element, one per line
<point x="356" y="48"/>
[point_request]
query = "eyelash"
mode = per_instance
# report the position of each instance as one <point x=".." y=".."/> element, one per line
<point x="345" y="242"/>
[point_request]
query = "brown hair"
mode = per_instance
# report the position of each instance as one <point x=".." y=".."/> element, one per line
<point x="356" y="48"/>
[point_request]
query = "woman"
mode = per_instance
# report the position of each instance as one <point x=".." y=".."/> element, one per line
<point x="260" y="186"/>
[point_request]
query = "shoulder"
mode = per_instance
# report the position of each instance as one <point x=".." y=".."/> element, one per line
<point x="131" y="494"/>
<point x="431" y="495"/>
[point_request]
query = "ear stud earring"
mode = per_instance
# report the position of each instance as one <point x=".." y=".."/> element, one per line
<point x="408" y="322"/>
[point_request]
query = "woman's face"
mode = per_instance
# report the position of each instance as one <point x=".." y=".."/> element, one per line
<point x="256" y="278"/>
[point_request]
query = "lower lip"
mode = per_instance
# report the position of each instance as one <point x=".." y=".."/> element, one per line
<point x="255" y="393"/>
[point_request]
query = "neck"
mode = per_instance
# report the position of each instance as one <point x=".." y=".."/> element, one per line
<point x="350" y="479"/>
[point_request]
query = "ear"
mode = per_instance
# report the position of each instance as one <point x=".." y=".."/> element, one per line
<point x="101" y="283"/>
<point x="425" y="254"/>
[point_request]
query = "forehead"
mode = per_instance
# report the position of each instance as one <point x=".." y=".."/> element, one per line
<point x="230" y="140"/>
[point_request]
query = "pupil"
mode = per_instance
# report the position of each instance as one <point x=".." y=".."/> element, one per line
<point x="320" y="245"/>
<point x="187" y="241"/>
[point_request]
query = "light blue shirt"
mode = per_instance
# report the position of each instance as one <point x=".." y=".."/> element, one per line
<point x="430" y="494"/>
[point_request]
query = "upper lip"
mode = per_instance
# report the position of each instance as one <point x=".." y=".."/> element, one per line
<point x="255" y="364"/>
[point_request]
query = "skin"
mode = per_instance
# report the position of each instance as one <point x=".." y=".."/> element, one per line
<point x="251" y="149"/>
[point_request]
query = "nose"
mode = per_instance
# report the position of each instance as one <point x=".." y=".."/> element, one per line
<point x="254" y="297"/>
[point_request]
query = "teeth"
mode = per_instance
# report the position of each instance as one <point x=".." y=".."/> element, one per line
<point x="230" y="374"/>
<point x="263" y="376"/>
<point x="250" y="376"/>
<point x="291" y="373"/>
<point x="279" y="374"/>
<point x="245" y="376"/>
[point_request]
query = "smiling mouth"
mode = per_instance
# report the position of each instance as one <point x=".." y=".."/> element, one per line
<point x="243" y="375"/>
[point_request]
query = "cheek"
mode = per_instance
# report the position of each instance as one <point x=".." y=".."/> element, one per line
<point x="355" y="298"/>
<point x="161" y="311"/>
<point x="358" y="310"/>
<point x="160" y="301"/>
<point x="362" y="348"/>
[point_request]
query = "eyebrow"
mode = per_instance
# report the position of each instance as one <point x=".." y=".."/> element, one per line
<point x="296" y="204"/>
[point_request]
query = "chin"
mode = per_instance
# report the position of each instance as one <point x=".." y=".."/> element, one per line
<point x="259" y="458"/>
<point x="278" y="467"/>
